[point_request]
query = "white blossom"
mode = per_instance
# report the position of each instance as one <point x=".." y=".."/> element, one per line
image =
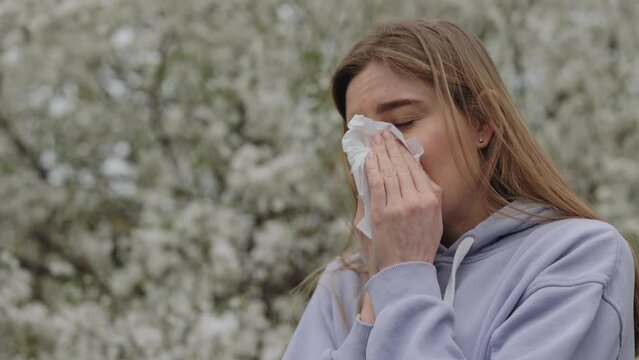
<point x="171" y="169"/>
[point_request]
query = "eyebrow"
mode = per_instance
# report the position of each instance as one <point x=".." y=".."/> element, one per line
<point x="394" y="104"/>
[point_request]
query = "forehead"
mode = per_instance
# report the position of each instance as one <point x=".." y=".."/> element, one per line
<point x="377" y="84"/>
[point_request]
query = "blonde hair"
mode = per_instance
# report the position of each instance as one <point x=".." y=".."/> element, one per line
<point x="455" y="63"/>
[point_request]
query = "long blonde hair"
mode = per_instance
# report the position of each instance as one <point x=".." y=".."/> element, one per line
<point x="455" y="63"/>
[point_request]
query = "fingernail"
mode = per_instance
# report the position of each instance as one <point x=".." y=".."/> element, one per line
<point x="387" y="135"/>
<point x="378" y="139"/>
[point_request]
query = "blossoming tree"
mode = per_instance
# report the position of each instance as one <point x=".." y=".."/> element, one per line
<point x="169" y="170"/>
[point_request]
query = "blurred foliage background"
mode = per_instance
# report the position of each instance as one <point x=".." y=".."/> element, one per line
<point x="169" y="170"/>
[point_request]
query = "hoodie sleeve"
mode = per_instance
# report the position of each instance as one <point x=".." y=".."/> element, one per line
<point x="579" y="307"/>
<point x="561" y="322"/>
<point x="412" y="321"/>
<point x="314" y="337"/>
<point x="559" y="318"/>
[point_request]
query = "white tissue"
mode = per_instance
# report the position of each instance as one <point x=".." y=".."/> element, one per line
<point x="356" y="144"/>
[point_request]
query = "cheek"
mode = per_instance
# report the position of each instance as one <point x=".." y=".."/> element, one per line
<point x="437" y="156"/>
<point x="424" y="162"/>
<point x="433" y="166"/>
<point x="438" y="164"/>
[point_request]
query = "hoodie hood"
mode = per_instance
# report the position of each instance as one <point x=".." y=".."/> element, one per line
<point x="500" y="224"/>
<point x="508" y="220"/>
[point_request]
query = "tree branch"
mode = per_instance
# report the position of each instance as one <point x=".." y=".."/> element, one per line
<point x="22" y="148"/>
<point x="157" y="110"/>
<point x="44" y="237"/>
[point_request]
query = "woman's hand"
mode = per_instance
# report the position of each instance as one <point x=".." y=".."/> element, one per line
<point x="405" y="206"/>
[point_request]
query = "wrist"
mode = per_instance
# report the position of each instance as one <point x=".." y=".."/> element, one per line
<point x="386" y="264"/>
<point x="367" y="314"/>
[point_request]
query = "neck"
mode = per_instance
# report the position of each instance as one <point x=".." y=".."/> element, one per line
<point x="462" y="219"/>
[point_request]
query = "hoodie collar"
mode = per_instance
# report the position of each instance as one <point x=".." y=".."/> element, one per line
<point x="500" y="224"/>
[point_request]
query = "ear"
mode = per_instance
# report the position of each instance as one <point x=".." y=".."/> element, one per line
<point x="480" y="133"/>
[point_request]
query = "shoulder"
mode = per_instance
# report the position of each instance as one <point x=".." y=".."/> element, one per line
<point x="337" y="293"/>
<point x="340" y="275"/>
<point x="578" y="250"/>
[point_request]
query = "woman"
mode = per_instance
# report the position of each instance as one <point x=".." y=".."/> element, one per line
<point x="479" y="251"/>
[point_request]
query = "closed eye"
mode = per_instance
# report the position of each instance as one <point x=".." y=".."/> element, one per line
<point x="405" y="125"/>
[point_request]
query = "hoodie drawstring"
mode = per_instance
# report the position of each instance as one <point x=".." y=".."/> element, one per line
<point x="460" y="254"/>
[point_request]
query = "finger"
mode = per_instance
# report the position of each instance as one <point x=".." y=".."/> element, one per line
<point x="421" y="180"/>
<point x="406" y="185"/>
<point x="387" y="171"/>
<point x="375" y="182"/>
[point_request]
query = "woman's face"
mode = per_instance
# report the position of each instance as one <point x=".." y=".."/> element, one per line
<point x="412" y="107"/>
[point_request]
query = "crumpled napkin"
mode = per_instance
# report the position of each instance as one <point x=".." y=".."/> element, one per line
<point x="356" y="144"/>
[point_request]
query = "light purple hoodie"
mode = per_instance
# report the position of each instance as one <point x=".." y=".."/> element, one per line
<point x="507" y="289"/>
